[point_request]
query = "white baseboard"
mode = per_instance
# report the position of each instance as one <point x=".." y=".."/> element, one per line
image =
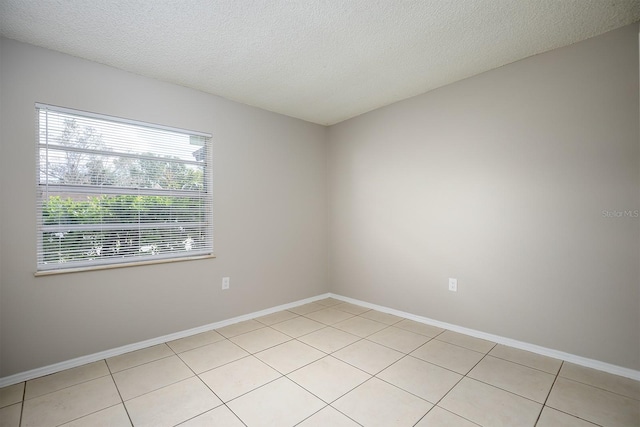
<point x="67" y="364"/>
<point x="568" y="357"/>
<point x="61" y="366"/>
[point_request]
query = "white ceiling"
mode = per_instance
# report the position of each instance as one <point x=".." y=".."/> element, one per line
<point x="319" y="60"/>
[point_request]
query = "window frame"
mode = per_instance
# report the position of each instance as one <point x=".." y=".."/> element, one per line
<point x="44" y="191"/>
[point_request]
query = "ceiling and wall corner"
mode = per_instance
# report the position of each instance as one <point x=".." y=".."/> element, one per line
<point x="323" y="61"/>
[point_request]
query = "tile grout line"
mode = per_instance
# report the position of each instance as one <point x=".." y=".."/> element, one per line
<point x="508" y="391"/>
<point x="463" y="376"/>
<point x="252" y="390"/>
<point x="407" y="391"/>
<point x="154" y="390"/>
<point x="216" y="395"/>
<point x="223" y="403"/>
<point x="327" y="404"/>
<point x="141" y="364"/>
<point x="452" y="413"/>
<point x="102" y="409"/>
<point x="24" y="394"/>
<point x="522" y="364"/>
<point x="234" y="414"/>
<point x="461" y="346"/>
<point x="66" y="387"/>
<point x="549" y="394"/>
<point x="91" y="413"/>
<point x="544" y="405"/>
<point x="599" y="388"/>
<point x="282" y="375"/>
<point x="558" y="376"/>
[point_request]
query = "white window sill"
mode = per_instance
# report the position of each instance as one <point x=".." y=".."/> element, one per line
<point x="123" y="265"/>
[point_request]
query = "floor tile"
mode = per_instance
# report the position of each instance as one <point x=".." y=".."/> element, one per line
<point x="368" y="356"/>
<point x="280" y="403"/>
<point x="260" y="339"/>
<point x="490" y="406"/>
<point x="115" y="416"/>
<point x="239" y="328"/>
<point x="613" y="383"/>
<point x="594" y="404"/>
<point x="328" y="417"/>
<point x="151" y="376"/>
<point x="419" y="328"/>
<point x="398" y="339"/>
<point x="10" y="415"/>
<point x="59" y="380"/>
<point x="449" y="356"/>
<point x="521" y="380"/>
<point x="329" y="302"/>
<point x="237" y="378"/>
<point x="438" y="417"/>
<point x="298" y="326"/>
<point x="421" y="378"/>
<point x="307" y="308"/>
<point x="289" y="356"/>
<point x="211" y="356"/>
<point x="194" y="341"/>
<point x="360" y="326"/>
<point x="351" y="308"/>
<point x="138" y="357"/>
<point x="527" y="358"/>
<point x="553" y="418"/>
<point x="378" y="316"/>
<point x="376" y="403"/>
<point x="218" y="417"/>
<point x="329" y="339"/>
<point x="173" y="404"/>
<point x="466" y="341"/>
<point x="329" y="316"/>
<point x="280" y="316"/>
<point x="70" y="403"/>
<point x="11" y="394"/>
<point x="329" y="378"/>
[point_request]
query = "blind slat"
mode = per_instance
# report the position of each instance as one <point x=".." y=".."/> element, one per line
<point x="63" y="228"/>
<point x="130" y="155"/>
<point x="83" y="190"/>
<point x="72" y="112"/>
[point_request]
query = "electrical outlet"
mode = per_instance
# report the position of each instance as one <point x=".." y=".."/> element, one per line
<point x="225" y="283"/>
<point x="453" y="285"/>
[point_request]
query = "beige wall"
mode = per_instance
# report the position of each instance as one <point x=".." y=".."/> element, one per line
<point x="270" y="216"/>
<point x="501" y="181"/>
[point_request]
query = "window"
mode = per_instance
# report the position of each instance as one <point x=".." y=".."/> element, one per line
<point x="116" y="191"/>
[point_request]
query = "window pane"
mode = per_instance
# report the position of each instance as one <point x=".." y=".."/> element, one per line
<point x="115" y="192"/>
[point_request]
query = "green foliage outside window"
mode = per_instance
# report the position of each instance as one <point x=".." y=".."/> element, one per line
<point x="175" y="218"/>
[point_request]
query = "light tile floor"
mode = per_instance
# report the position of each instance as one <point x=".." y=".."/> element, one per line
<point x="325" y="363"/>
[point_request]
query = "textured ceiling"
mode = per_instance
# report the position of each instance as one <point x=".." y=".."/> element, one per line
<point x="319" y="60"/>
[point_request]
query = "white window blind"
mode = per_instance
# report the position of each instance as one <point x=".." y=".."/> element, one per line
<point x="113" y="191"/>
